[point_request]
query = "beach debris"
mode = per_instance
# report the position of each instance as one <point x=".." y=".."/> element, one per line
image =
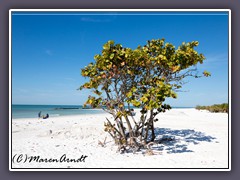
<point x="46" y="133"/>
<point x="67" y="134"/>
<point x="150" y="144"/>
<point x="102" y="143"/>
<point x="149" y="152"/>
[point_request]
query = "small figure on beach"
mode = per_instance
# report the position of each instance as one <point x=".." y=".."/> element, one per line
<point x="42" y="116"/>
<point x="45" y="117"/>
<point x="39" y="114"/>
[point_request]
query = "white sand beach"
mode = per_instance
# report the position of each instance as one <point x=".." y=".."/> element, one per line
<point x="201" y="141"/>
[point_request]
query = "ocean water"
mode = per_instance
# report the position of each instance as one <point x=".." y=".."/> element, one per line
<point x="31" y="111"/>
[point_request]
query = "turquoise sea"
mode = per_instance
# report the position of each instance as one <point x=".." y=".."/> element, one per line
<point x="31" y="111"/>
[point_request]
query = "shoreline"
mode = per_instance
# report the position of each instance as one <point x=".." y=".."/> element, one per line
<point x="201" y="141"/>
<point x="56" y="111"/>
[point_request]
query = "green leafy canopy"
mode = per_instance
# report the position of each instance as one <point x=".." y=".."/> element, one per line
<point x="143" y="77"/>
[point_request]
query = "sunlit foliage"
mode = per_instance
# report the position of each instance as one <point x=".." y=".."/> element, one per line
<point x="122" y="78"/>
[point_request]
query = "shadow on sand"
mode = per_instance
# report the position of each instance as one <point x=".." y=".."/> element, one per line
<point x="177" y="141"/>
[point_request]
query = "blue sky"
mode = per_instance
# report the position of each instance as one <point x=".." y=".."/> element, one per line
<point x="49" y="49"/>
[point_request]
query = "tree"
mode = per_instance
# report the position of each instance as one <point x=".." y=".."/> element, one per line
<point x="143" y="77"/>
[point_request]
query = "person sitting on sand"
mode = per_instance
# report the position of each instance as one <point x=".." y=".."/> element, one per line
<point x="45" y="117"/>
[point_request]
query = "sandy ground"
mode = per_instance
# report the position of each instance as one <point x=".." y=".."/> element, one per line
<point x="201" y="141"/>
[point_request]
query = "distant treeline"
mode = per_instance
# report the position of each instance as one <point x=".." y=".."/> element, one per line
<point x="215" y="108"/>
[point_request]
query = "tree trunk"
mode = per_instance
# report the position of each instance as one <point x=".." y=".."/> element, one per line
<point x="153" y="133"/>
<point x="131" y="134"/>
<point x="149" y="123"/>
